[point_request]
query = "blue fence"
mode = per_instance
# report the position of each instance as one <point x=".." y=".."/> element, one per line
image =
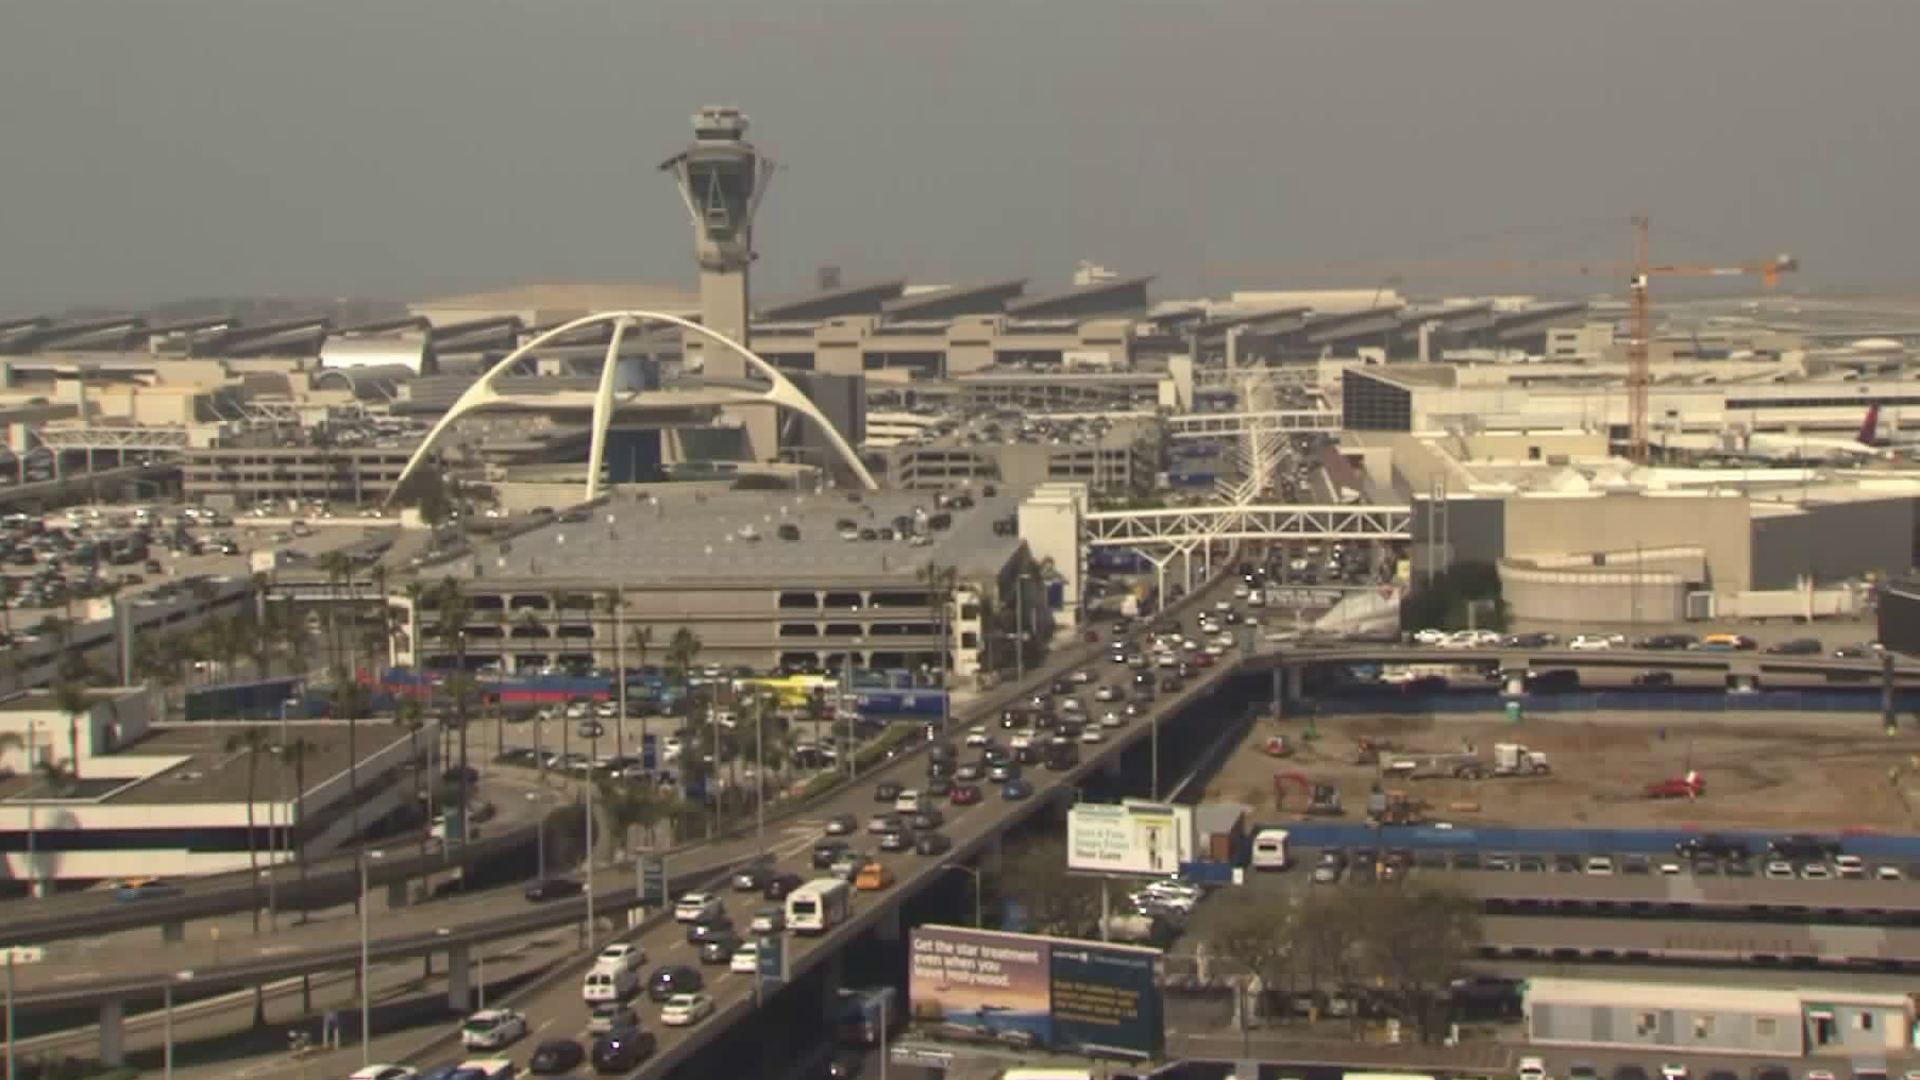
<point x="1840" y="699"/>
<point x="1325" y="834"/>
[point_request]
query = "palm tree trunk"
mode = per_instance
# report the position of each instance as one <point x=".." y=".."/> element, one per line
<point x="253" y="850"/>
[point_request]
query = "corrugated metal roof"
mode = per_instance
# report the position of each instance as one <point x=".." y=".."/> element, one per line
<point x="1656" y="996"/>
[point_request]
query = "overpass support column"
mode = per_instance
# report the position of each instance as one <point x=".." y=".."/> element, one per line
<point x="990" y="855"/>
<point x="173" y="932"/>
<point x="888" y="928"/>
<point x="459" y="976"/>
<point x="1110" y="768"/>
<point x="396" y="895"/>
<point x="113" y="1030"/>
<point x="833" y="977"/>
<point x="1516" y="681"/>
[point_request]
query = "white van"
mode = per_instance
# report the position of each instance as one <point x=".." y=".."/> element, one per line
<point x="911" y="802"/>
<point x="1270" y="850"/>
<point x="609" y="983"/>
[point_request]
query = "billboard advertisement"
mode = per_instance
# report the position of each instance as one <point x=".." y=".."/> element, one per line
<point x="1132" y="837"/>
<point x="1028" y="991"/>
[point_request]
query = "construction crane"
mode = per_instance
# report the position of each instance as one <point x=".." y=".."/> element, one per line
<point x="1638" y="273"/>
<point x="1639" y="370"/>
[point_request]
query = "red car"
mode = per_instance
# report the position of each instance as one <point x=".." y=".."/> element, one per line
<point x="965" y="795"/>
<point x="1201" y="660"/>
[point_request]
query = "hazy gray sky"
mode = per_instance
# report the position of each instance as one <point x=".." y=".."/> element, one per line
<point x="401" y="148"/>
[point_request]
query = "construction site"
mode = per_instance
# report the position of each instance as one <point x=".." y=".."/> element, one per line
<point x="1825" y="773"/>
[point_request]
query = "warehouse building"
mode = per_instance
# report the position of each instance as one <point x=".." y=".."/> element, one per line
<point x="1785" y="1022"/>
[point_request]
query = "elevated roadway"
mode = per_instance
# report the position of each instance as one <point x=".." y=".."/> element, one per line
<point x="1750" y="664"/>
<point x="1684" y="941"/>
<point x="76" y="484"/>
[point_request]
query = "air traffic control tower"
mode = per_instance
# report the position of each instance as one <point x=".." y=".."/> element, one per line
<point x="722" y="178"/>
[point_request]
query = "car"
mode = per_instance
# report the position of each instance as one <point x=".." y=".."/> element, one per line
<point x="751" y="878"/>
<point x="1779" y="869"/>
<point x="697" y="906"/>
<point x="939" y="788"/>
<point x="977" y="735"/>
<point x="1107" y="693"/>
<point x="671" y="979"/>
<point x="608" y="1015"/>
<point x="1004" y="772"/>
<point x="780" y="884"/>
<point x="1590" y="643"/>
<point x="891" y="821"/>
<point x="932" y="843"/>
<point x="712" y="926"/>
<point x="553" y="889"/>
<point x="555" y="1056"/>
<point x="1653" y="679"/>
<point x="1887" y="872"/>
<point x="848" y="865"/>
<point x="1850" y="867"/>
<point x="964" y="795"/>
<point x="1532" y="1068"/>
<point x="928" y="818"/>
<point x="1814" y="871"/>
<point x="621" y="955"/>
<point x="1674" y="1070"/>
<point x="718" y="947"/>
<point x="769" y="920"/>
<point x="872" y="877"/>
<point x="842" y="824"/>
<point x="896" y="840"/>
<point x="1600" y="865"/>
<point x="972" y="770"/>
<point x="491" y="1029"/>
<point x="134" y="890"/>
<point x="1015" y="790"/>
<point x="621" y="1049"/>
<point x="1805" y="646"/>
<point x="1629" y="1072"/>
<point x="828" y="852"/>
<point x="1080" y="676"/>
<point x="383" y="1072"/>
<point x="888" y="792"/>
<point x="682" y="1010"/>
<point x="745" y="960"/>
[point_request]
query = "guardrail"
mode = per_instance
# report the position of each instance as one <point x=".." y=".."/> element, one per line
<point x="1862" y="699"/>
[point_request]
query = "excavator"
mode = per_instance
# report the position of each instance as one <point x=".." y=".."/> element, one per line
<point x="1395" y="808"/>
<point x="1323" y="800"/>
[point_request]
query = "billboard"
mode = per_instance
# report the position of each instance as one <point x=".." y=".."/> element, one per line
<point x="1133" y="837"/>
<point x="1033" y="992"/>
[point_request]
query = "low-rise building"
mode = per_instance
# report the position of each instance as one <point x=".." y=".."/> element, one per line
<point x="1773" y="1022"/>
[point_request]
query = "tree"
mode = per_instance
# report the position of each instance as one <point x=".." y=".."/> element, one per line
<point x="293" y="756"/>
<point x="412" y="715"/>
<point x="1417" y="937"/>
<point x="1466" y="592"/>
<point x="940" y="581"/>
<point x="629" y="805"/>
<point x="72" y="697"/>
<point x="1325" y="939"/>
<point x="1034" y="873"/>
<point x="253" y="742"/>
<point x="456" y="608"/>
<point x="682" y="652"/>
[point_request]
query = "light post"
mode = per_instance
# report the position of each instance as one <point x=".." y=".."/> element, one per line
<point x="34" y="890"/>
<point x="759" y="773"/>
<point x="166" y="1008"/>
<point x="366" y="989"/>
<point x="591" y="730"/>
<point x="974" y="873"/>
<point x="540" y="835"/>
<point x="10" y="1029"/>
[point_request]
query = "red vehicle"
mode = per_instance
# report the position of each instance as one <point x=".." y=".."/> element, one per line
<point x="1690" y="786"/>
<point x="1201" y="660"/>
<point x="965" y="794"/>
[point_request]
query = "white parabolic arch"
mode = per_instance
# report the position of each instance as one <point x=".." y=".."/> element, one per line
<point x="482" y="394"/>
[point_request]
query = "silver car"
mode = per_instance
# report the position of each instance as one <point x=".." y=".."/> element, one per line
<point x="608" y="1015"/>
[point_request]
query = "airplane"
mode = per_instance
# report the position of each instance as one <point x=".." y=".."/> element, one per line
<point x="1868" y="443"/>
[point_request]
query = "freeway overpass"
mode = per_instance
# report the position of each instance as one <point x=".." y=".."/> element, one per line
<point x="73" y="485"/>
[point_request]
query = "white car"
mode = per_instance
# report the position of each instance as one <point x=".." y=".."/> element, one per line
<point x="1600" y="865"/>
<point x="383" y="1072"/>
<point x="1814" y="871"/>
<point x="745" y="960"/>
<point x="1241" y="592"/>
<point x="491" y="1029"/>
<point x="1021" y="740"/>
<point x="1106" y="693"/>
<point x="977" y="735"/>
<point x="695" y="906"/>
<point x="1673" y="1070"/>
<point x="1223" y="606"/>
<point x="684" y="1009"/>
<point x="1080" y="676"/>
<point x="1092" y="735"/>
<point x="1532" y="1068"/>
<point x="1780" y="870"/>
<point x="1112" y="719"/>
<point x="1590" y="643"/>
<point x="1429" y="637"/>
<point x="621" y="955"/>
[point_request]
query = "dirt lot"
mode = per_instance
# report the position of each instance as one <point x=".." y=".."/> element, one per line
<point x="1826" y="773"/>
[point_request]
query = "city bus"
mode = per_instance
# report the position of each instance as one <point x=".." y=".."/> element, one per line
<point x="818" y="906"/>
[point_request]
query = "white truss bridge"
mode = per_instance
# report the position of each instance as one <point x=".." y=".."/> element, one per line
<point x="136" y="439"/>
<point x="1187" y="527"/>
<point x="1222" y="425"/>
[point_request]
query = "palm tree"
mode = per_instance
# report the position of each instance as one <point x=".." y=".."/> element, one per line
<point x="253" y="742"/>
<point x="940" y="581"/>
<point x="641" y="639"/>
<point x="337" y="566"/>
<point x="455" y="609"/>
<point x="293" y="756"/>
<point x="71" y="695"/>
<point x="412" y="715"/>
<point x="627" y="805"/>
<point x="386" y="610"/>
<point x="684" y="648"/>
<point x="613" y="602"/>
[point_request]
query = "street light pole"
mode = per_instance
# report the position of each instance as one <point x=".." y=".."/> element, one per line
<point x="592" y="731"/>
<point x="1020" y="629"/>
<point x="759" y="775"/>
<point x="366" y="988"/>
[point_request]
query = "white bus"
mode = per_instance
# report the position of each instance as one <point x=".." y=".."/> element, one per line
<point x="818" y="906"/>
<point x="1270" y="850"/>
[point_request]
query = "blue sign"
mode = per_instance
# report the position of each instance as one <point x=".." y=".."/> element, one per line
<point x="1105" y="1003"/>
<point x="771" y="955"/>
<point x="650" y="752"/>
<point x="653" y="880"/>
